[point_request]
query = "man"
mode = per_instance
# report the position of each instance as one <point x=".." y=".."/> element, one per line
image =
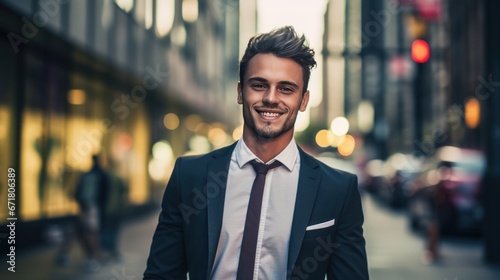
<point x="91" y="195"/>
<point x="305" y="220"/>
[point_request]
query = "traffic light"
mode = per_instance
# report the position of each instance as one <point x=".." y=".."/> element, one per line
<point x="420" y="51"/>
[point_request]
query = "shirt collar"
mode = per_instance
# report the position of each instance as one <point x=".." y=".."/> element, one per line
<point x="287" y="157"/>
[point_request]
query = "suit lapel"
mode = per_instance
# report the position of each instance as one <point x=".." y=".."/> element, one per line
<point x="309" y="178"/>
<point x="215" y="191"/>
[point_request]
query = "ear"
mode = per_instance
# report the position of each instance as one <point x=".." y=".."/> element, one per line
<point x="240" y="93"/>
<point x="305" y="100"/>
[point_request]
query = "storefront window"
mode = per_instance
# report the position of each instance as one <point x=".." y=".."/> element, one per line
<point x="65" y="118"/>
<point x="8" y="111"/>
<point x="33" y="140"/>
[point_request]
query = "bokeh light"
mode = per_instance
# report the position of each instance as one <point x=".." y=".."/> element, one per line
<point x="76" y="97"/>
<point x="202" y="128"/>
<point x="163" y="151"/>
<point x="237" y="132"/>
<point x="324" y="138"/>
<point x="165" y="13"/>
<point x="161" y="161"/>
<point x="192" y="121"/>
<point x="472" y="113"/>
<point x="340" y="126"/>
<point x="190" y="10"/>
<point x="346" y="148"/>
<point x="337" y="140"/>
<point x="420" y="51"/>
<point x="198" y="145"/>
<point x="366" y="114"/>
<point x="217" y="136"/>
<point x="171" y="121"/>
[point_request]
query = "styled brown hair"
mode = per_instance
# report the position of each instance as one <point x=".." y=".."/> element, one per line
<point x="281" y="42"/>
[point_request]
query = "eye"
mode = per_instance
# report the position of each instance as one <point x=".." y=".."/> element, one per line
<point x="286" y="90"/>
<point x="258" y="86"/>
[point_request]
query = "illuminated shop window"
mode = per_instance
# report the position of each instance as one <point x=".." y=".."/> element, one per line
<point x="8" y="127"/>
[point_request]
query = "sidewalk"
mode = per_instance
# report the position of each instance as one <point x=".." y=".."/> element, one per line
<point x="38" y="264"/>
<point x="394" y="251"/>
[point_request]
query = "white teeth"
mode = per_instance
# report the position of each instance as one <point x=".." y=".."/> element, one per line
<point x="268" y="114"/>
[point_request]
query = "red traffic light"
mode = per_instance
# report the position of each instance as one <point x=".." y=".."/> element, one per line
<point x="420" y="51"/>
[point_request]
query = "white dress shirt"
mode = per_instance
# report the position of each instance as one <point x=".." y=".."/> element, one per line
<point x="278" y="204"/>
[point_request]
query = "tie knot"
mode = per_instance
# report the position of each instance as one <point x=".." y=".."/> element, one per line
<point x="262" y="168"/>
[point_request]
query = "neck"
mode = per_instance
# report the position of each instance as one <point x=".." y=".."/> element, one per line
<point x="267" y="149"/>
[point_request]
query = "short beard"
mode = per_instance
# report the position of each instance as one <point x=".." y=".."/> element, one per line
<point x="264" y="135"/>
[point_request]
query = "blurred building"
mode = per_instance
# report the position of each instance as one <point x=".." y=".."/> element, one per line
<point x="371" y="81"/>
<point x="415" y="76"/>
<point x="407" y="72"/>
<point x="115" y="78"/>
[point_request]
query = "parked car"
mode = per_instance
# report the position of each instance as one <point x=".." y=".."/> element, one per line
<point x="398" y="170"/>
<point x="448" y="189"/>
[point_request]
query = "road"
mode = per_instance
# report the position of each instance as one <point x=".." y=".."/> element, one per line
<point x="395" y="252"/>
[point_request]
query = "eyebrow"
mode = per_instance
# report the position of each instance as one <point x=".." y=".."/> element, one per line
<point x="262" y="80"/>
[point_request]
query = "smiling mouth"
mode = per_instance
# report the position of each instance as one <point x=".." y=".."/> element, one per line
<point x="269" y="115"/>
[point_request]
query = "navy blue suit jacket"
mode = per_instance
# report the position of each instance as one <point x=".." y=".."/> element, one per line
<point x="186" y="238"/>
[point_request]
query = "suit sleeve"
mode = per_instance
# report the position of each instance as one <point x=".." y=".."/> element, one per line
<point x="349" y="258"/>
<point x="167" y="257"/>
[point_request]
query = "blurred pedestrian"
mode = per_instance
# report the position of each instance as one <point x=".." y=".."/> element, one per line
<point x="435" y="209"/>
<point x="431" y="253"/>
<point x="262" y="208"/>
<point x="113" y="212"/>
<point x="91" y="195"/>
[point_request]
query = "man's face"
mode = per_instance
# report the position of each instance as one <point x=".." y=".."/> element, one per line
<point x="271" y="96"/>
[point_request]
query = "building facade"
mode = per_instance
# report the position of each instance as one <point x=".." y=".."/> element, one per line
<point x="429" y="71"/>
<point x="113" y="78"/>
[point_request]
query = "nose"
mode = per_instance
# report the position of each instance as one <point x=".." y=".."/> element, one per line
<point x="271" y="96"/>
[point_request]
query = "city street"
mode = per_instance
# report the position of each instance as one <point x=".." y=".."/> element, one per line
<point x="393" y="253"/>
<point x="99" y="99"/>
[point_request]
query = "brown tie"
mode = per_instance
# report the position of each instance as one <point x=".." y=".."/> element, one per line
<point x="249" y="244"/>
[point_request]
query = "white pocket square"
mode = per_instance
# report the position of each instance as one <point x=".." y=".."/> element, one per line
<point x="321" y="225"/>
